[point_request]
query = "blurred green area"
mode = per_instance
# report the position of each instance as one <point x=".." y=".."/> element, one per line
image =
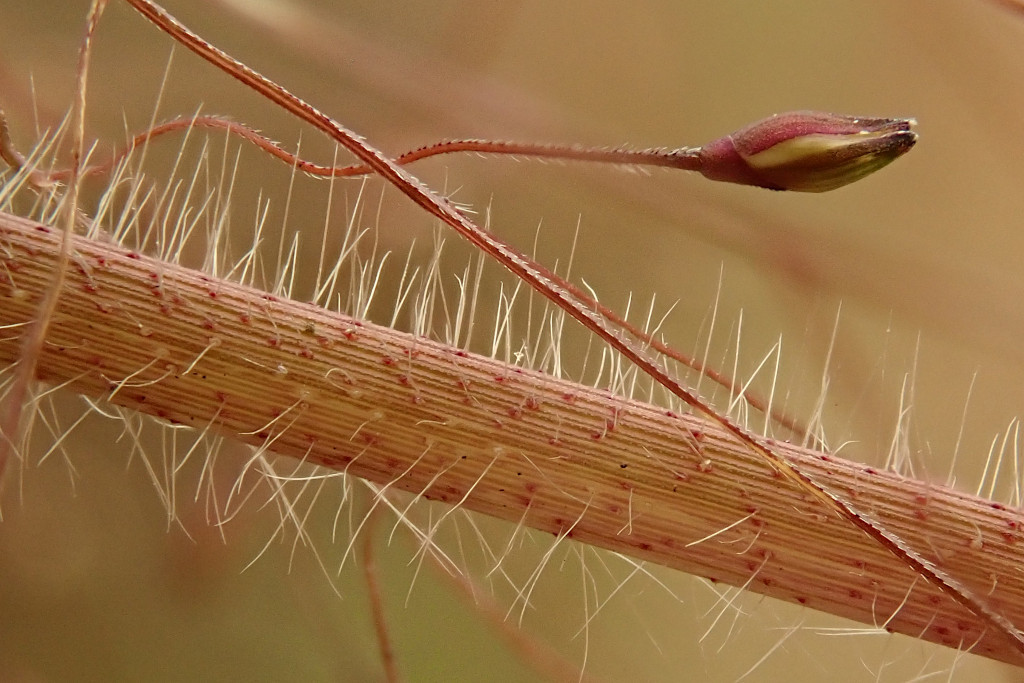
<point x="924" y="258"/>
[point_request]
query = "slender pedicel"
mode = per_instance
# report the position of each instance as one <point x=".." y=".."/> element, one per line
<point x="800" y="151"/>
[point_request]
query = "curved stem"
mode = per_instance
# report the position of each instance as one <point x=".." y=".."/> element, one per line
<point x="683" y="158"/>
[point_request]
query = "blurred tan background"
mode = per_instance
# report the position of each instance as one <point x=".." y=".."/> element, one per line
<point x="924" y="259"/>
